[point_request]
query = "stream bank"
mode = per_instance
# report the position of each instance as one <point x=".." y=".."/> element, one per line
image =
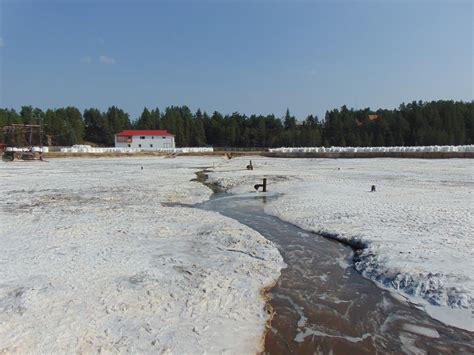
<point x="323" y="304"/>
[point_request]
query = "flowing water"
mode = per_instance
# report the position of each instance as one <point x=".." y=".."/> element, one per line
<point x="322" y="305"/>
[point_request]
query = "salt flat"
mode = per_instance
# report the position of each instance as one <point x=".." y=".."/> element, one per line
<point x="92" y="260"/>
<point x="416" y="228"/>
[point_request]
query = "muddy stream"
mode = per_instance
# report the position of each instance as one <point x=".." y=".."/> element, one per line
<point x="323" y="305"/>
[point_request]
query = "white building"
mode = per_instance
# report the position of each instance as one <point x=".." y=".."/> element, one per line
<point x="144" y="139"/>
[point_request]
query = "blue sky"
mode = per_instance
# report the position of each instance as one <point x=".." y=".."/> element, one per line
<point x="247" y="56"/>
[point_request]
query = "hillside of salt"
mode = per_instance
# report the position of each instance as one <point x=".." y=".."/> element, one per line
<point x="91" y="260"/>
<point x="416" y="229"/>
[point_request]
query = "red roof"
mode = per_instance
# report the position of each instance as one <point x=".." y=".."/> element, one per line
<point x="144" y="132"/>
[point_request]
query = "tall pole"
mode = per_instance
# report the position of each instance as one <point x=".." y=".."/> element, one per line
<point x="31" y="136"/>
<point x="40" y="133"/>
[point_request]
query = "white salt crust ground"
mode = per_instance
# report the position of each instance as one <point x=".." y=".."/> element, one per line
<point x="416" y="228"/>
<point x="90" y="260"/>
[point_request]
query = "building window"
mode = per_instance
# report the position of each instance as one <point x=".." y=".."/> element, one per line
<point x="122" y="139"/>
<point x="142" y="137"/>
<point x="151" y="145"/>
<point x="139" y="146"/>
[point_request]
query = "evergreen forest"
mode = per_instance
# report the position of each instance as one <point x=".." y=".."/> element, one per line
<point x="414" y="124"/>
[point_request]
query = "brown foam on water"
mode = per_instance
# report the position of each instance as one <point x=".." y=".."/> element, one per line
<point x="271" y="313"/>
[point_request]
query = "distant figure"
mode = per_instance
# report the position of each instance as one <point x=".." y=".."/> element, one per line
<point x="372" y="189"/>
<point x="142" y="167"/>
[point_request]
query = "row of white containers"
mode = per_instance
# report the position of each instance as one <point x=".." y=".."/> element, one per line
<point x="32" y="149"/>
<point x="88" y="149"/>
<point x="422" y="149"/>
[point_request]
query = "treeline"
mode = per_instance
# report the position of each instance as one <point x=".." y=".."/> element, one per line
<point x="413" y="124"/>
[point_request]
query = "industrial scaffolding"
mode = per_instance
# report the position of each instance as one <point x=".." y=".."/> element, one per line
<point x="22" y="142"/>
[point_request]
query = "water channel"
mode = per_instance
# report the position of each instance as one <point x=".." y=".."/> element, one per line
<point x="323" y="305"/>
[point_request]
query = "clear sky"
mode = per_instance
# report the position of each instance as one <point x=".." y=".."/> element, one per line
<point x="248" y="56"/>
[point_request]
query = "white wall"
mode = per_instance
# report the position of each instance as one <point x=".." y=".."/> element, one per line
<point x="417" y="149"/>
<point x="79" y="148"/>
<point x="149" y="143"/>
